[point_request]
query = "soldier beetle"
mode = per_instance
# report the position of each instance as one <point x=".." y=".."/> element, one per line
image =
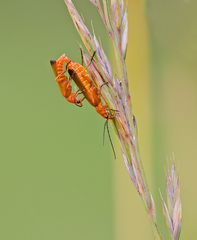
<point x="79" y="74"/>
<point x="64" y="82"/>
<point x="93" y="95"/>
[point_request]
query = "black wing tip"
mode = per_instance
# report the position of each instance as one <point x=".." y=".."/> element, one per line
<point x="52" y="62"/>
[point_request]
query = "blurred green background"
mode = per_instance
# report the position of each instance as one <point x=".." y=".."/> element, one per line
<point x="57" y="181"/>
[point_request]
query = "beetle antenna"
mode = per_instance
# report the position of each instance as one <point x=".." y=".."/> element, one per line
<point x="106" y="126"/>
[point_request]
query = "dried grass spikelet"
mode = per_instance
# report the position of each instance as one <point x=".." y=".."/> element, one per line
<point x="116" y="93"/>
<point x="172" y="208"/>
